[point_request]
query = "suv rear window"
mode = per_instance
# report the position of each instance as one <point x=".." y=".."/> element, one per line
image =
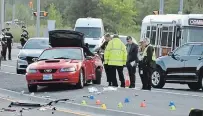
<point x="197" y="50"/>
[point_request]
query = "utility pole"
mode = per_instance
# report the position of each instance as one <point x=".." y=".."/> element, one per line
<point x="38" y="19"/>
<point x="13" y="9"/>
<point x="161" y="7"/>
<point x="181" y="7"/>
<point x="2" y="13"/>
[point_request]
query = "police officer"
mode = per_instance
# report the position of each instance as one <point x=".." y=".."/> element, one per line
<point x="9" y="37"/>
<point x="103" y="47"/>
<point x="115" y="56"/>
<point x="148" y="61"/>
<point x="140" y="64"/>
<point x="3" y="44"/>
<point x="24" y="36"/>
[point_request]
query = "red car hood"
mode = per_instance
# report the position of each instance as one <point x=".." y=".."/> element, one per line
<point x="56" y="64"/>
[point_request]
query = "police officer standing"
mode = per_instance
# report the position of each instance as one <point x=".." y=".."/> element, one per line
<point x="9" y="37"/>
<point x="115" y="56"/>
<point x="3" y="44"/>
<point x="103" y="47"/>
<point x="132" y="60"/>
<point x="148" y="61"/>
<point x="24" y="36"/>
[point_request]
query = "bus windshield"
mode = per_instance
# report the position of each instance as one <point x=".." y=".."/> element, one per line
<point x="192" y="34"/>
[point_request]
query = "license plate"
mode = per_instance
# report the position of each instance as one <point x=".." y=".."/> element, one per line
<point x="141" y="71"/>
<point x="47" y="77"/>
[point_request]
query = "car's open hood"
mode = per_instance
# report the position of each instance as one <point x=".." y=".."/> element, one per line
<point x="66" y="38"/>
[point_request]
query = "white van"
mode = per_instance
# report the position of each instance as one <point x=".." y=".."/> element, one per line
<point x="93" y="29"/>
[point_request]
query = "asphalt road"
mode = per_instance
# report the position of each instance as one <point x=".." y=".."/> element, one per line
<point x="157" y="100"/>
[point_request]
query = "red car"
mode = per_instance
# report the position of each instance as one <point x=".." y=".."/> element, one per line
<point x="67" y="62"/>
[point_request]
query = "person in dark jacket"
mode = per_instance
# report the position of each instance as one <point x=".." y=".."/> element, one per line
<point x="9" y="42"/>
<point x="132" y="60"/>
<point x="148" y="61"/>
<point x="103" y="47"/>
<point x="24" y="36"/>
<point x="3" y="44"/>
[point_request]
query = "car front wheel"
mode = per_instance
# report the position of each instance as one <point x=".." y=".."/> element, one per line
<point x="157" y="79"/>
<point x="32" y="88"/>
<point x="98" y="74"/>
<point x="81" y="80"/>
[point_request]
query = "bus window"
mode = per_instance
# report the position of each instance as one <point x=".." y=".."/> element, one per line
<point x="170" y="39"/>
<point x="164" y="36"/>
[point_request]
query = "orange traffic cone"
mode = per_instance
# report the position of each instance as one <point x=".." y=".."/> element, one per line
<point x="98" y="102"/>
<point x="143" y="104"/>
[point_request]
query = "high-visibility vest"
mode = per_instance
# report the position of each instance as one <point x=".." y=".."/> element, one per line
<point x="145" y="53"/>
<point x="115" y="53"/>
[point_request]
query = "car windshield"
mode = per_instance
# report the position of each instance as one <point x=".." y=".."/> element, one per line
<point x="62" y="53"/>
<point x="90" y="32"/>
<point x="37" y="44"/>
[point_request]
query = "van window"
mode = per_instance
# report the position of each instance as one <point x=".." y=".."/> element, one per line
<point x="90" y="32"/>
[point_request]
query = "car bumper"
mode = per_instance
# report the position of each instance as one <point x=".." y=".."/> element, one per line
<point x="57" y="78"/>
<point x="21" y="64"/>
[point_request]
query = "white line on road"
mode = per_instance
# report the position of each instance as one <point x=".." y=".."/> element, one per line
<point x="73" y="103"/>
<point x="155" y="90"/>
<point x="8" y="65"/>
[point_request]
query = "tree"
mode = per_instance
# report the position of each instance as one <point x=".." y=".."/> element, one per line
<point x="54" y="14"/>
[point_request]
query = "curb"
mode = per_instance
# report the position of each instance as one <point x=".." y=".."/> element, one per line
<point x="66" y="105"/>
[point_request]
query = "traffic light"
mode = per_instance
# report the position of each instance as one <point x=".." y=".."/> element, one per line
<point x="31" y="4"/>
<point x="156" y="12"/>
<point x="42" y="14"/>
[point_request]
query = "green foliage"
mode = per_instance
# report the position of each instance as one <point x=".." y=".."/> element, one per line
<point x="121" y="16"/>
<point x="54" y="14"/>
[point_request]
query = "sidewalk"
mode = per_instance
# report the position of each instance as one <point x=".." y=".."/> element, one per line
<point x="35" y="112"/>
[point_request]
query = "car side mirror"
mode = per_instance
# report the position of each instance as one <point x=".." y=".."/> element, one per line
<point x="34" y="59"/>
<point x="19" y="47"/>
<point x="88" y="57"/>
<point x="170" y="54"/>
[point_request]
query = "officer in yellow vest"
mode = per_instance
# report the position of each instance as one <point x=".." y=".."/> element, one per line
<point x="115" y="56"/>
<point x="148" y="60"/>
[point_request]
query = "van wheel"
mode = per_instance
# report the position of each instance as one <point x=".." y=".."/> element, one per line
<point x="98" y="74"/>
<point x="81" y="80"/>
<point x="194" y="86"/>
<point x="32" y="88"/>
<point x="157" y="79"/>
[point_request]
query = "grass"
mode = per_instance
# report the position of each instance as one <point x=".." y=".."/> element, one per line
<point x="16" y="31"/>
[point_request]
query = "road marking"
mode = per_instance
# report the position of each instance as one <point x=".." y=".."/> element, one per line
<point x="8" y="65"/>
<point x="57" y="109"/>
<point x="75" y="104"/>
<point x="12" y="73"/>
<point x="155" y="90"/>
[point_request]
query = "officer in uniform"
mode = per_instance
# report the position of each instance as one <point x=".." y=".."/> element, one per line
<point x="24" y="36"/>
<point x="3" y="44"/>
<point x="103" y="47"/>
<point x="9" y="37"/>
<point x="148" y="61"/>
<point x="115" y="56"/>
<point x="140" y="64"/>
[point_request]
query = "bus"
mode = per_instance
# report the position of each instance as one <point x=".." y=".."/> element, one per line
<point x="169" y="31"/>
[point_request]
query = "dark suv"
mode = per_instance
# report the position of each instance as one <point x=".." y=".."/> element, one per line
<point x="184" y="65"/>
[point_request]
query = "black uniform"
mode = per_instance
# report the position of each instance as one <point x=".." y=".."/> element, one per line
<point x="148" y="67"/>
<point x="9" y="43"/>
<point x="106" y="67"/>
<point x="132" y="57"/>
<point x="4" y="47"/>
<point x="24" y="37"/>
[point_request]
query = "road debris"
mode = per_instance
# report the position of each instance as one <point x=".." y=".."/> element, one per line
<point x="109" y="89"/>
<point x="92" y="90"/>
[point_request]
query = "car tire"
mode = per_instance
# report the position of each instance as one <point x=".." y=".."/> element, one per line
<point x="98" y="74"/>
<point x="32" y="88"/>
<point x="18" y="71"/>
<point x="194" y="86"/>
<point x="81" y="81"/>
<point x="158" y="80"/>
